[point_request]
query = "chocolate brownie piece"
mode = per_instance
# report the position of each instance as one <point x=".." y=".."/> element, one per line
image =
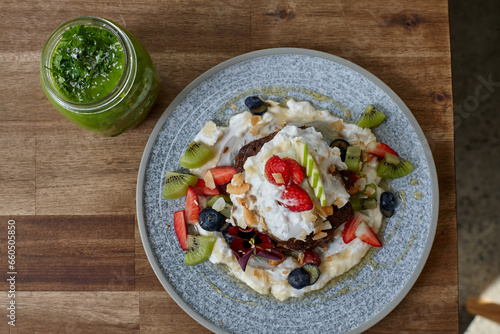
<point x="251" y="149"/>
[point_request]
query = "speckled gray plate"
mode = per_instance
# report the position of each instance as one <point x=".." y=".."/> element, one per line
<point x="352" y="303"/>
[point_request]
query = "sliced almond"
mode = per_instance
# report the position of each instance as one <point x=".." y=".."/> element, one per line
<point x="237" y="180"/>
<point x="278" y="178"/>
<point x="354" y="190"/>
<point x="254" y="131"/>
<point x="249" y="218"/>
<point x="319" y="235"/>
<point x="338" y="202"/>
<point x="300" y="259"/>
<point x="232" y="189"/>
<point x="209" y="180"/>
<point x="369" y="191"/>
<point x="328" y="210"/>
<point x="240" y="200"/>
<point x="338" y="125"/>
<point x="327" y="225"/>
<point x="255" y="119"/>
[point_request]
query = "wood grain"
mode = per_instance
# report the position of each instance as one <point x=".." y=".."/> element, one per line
<point x="82" y="266"/>
<point x="74" y="253"/>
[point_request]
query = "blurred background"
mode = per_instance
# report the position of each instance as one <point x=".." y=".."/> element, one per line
<point x="475" y="43"/>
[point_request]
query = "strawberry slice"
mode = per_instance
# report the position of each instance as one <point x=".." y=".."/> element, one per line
<point x="192" y="206"/>
<point x="296" y="171"/>
<point x="352" y="225"/>
<point x="180" y="229"/>
<point x="277" y="171"/>
<point x="366" y="234"/>
<point x="222" y="174"/>
<point x="201" y="189"/>
<point x="295" y="199"/>
<point x="379" y="149"/>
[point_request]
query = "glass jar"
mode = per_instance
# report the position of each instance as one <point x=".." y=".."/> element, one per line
<point x="126" y="105"/>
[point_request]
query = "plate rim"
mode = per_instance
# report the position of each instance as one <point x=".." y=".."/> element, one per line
<point x="302" y="52"/>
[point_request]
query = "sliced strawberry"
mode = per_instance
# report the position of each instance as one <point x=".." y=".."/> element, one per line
<point x="351" y="226"/>
<point x="222" y="174"/>
<point x="192" y="206"/>
<point x="366" y="234"/>
<point x="296" y="171"/>
<point x="201" y="189"/>
<point x="275" y="165"/>
<point x="296" y="199"/>
<point x="180" y="229"/>
<point x="379" y="149"/>
<point x="311" y="257"/>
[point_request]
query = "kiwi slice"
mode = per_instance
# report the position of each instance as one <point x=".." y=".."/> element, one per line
<point x="392" y="167"/>
<point x="228" y="208"/>
<point x="199" y="249"/>
<point x="313" y="271"/>
<point x="196" y="155"/>
<point x="359" y="203"/>
<point x="353" y="158"/>
<point x="370" y="118"/>
<point x="176" y="184"/>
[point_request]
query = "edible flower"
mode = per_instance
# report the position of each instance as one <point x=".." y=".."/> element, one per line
<point x="248" y="242"/>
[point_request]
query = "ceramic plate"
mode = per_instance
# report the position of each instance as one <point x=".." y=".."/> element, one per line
<point x="350" y="304"/>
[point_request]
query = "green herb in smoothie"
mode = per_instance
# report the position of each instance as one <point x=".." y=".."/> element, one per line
<point x="87" y="63"/>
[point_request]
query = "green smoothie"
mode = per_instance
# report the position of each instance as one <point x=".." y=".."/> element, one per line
<point x="98" y="76"/>
<point x="87" y="63"/>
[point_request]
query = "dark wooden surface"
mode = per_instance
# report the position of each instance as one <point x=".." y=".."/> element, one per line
<point x="80" y="262"/>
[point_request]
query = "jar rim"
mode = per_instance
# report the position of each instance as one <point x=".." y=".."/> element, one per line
<point x="112" y="98"/>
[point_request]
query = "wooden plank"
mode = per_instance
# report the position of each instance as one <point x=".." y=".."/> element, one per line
<point x="77" y="312"/>
<point x="424" y="310"/>
<point x="160" y="314"/>
<point x="17" y="175"/>
<point x="145" y="278"/>
<point x="73" y="253"/>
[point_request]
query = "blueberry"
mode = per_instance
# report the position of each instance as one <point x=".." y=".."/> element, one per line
<point x="225" y="233"/>
<point x="256" y="105"/>
<point x="299" y="278"/>
<point x="387" y="203"/>
<point x="211" y="220"/>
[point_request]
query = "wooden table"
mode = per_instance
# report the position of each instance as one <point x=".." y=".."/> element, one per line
<point x="80" y="263"/>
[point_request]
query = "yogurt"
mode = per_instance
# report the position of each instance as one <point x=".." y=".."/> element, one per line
<point x="261" y="199"/>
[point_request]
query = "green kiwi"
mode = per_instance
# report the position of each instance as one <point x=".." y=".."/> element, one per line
<point x="196" y="155"/>
<point x="176" y="184"/>
<point x="313" y="271"/>
<point x="199" y="249"/>
<point x="353" y="158"/>
<point x="227" y="209"/>
<point x="392" y="167"/>
<point x="370" y="118"/>
<point x="359" y="203"/>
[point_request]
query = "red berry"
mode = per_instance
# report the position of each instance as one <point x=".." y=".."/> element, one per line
<point x="201" y="189"/>
<point x="351" y="226"/>
<point x="379" y="149"/>
<point x="312" y="257"/>
<point x="366" y="234"/>
<point x="180" y="229"/>
<point x="223" y="174"/>
<point x="276" y="165"/>
<point x="192" y="207"/>
<point x="296" y="199"/>
<point x="296" y="171"/>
